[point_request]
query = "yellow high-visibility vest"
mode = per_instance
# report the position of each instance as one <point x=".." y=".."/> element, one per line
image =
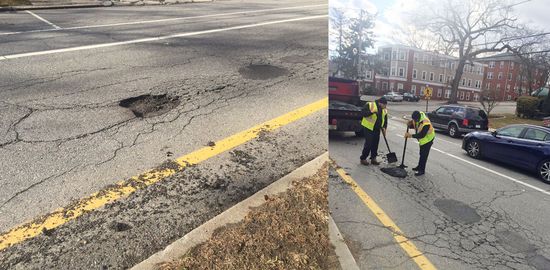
<point x="425" y="121"/>
<point x="369" y="122"/>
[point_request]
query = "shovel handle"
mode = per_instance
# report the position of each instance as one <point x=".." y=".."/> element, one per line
<point x="404" y="149"/>
<point x="384" y="135"/>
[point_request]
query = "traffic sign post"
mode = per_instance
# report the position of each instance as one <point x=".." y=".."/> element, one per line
<point x="427" y="95"/>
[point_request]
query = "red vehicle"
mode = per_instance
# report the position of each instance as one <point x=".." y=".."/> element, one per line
<point x="344" y="112"/>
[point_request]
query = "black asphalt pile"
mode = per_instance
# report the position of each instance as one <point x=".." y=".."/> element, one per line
<point x="271" y="238"/>
<point x="395" y="171"/>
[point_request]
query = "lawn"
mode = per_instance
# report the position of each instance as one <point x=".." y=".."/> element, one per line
<point x="14" y="3"/>
<point x="509" y="119"/>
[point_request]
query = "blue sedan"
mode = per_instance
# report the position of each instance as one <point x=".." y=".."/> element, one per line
<point x="524" y="146"/>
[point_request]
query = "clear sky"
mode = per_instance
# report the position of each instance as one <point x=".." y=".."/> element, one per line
<point x="536" y="13"/>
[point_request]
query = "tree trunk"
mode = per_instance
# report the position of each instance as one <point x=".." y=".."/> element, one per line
<point x="456" y="81"/>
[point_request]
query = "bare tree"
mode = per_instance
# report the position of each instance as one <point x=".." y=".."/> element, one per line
<point x="470" y="27"/>
<point x="338" y="26"/>
<point x="489" y="99"/>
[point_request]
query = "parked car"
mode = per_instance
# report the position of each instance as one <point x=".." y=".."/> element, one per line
<point x="541" y="92"/>
<point x="410" y="97"/>
<point x="459" y="119"/>
<point x="392" y="96"/>
<point x="524" y="146"/>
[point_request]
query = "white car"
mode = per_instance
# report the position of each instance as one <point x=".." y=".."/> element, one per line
<point x="392" y="96"/>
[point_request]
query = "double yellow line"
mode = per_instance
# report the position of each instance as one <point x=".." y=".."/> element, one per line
<point x="124" y="188"/>
<point x="408" y="246"/>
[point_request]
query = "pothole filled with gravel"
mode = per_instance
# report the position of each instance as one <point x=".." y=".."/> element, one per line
<point x="150" y="105"/>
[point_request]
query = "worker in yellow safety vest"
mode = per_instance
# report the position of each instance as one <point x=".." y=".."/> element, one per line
<point x="425" y="134"/>
<point x="375" y="120"/>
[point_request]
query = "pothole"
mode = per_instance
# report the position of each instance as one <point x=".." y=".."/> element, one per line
<point x="458" y="211"/>
<point x="514" y="242"/>
<point x="262" y="72"/>
<point x="120" y="226"/>
<point x="150" y="105"/>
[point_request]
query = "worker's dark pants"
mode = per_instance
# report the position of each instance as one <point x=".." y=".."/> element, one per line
<point x="424" y="152"/>
<point x="372" y="138"/>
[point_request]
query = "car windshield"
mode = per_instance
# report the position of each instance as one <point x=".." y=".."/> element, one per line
<point x="476" y="114"/>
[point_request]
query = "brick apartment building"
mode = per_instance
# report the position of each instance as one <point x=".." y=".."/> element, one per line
<point x="407" y="69"/>
<point x="505" y="74"/>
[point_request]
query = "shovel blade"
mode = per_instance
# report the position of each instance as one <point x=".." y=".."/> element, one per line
<point x="391" y="157"/>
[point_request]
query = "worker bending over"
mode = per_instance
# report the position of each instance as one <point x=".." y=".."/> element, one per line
<point x="425" y="134"/>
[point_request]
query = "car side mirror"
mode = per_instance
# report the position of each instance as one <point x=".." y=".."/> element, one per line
<point x="494" y="133"/>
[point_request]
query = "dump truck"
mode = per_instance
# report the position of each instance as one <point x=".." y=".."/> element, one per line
<point x="345" y="106"/>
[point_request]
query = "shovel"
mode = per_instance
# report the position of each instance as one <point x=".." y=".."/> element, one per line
<point x="391" y="156"/>
<point x="403" y="166"/>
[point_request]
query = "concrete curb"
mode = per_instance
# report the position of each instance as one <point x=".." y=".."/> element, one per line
<point x="232" y="215"/>
<point x="342" y="251"/>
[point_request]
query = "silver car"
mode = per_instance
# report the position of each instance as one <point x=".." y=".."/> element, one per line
<point x="392" y="96"/>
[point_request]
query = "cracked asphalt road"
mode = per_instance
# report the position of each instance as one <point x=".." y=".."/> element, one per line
<point x="458" y="215"/>
<point x="64" y="135"/>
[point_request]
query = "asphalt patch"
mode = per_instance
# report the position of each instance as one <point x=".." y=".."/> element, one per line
<point x="457" y="210"/>
<point x="395" y="171"/>
<point x="262" y="72"/>
<point x="150" y="105"/>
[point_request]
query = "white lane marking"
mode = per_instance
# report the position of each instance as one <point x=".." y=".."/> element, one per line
<point x="162" y="20"/>
<point x="143" y="40"/>
<point x="489" y="170"/>
<point x="44" y="20"/>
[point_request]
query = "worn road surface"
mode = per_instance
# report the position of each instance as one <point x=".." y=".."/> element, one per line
<point x="96" y="96"/>
<point x="462" y="214"/>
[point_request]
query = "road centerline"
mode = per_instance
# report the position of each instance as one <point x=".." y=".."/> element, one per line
<point x="144" y="40"/>
<point x="406" y="244"/>
<point x="44" y="20"/>
<point x="125" y="188"/>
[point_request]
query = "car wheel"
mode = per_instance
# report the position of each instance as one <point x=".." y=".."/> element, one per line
<point x="473" y="147"/>
<point x="544" y="171"/>
<point x="453" y="131"/>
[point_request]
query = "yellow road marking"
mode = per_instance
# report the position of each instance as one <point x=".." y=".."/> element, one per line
<point x="398" y="235"/>
<point x="127" y="187"/>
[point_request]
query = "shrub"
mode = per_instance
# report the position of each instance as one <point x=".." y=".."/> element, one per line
<point x="527" y="106"/>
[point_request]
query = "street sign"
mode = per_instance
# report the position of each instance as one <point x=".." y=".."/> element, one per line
<point x="427" y="92"/>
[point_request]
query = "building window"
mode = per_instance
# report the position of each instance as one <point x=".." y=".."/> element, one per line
<point x="384" y="86"/>
<point x="463" y="82"/>
<point x="507" y="87"/>
<point x="415" y="57"/>
<point x="461" y="95"/>
<point x="478" y="84"/>
<point x="401" y="55"/>
<point x="431" y="76"/>
<point x="448" y="78"/>
<point x="386" y="56"/>
<point x="399" y="87"/>
<point x="500" y="75"/>
<point x="476" y="97"/>
<point x="498" y="86"/>
<point x="489" y="75"/>
<point x="440" y="77"/>
<point x="392" y="86"/>
<point x="401" y="72"/>
<point x="422" y="90"/>
<point x="509" y="97"/>
<point x="492" y="64"/>
<point x="393" y="71"/>
<point x="439" y="92"/>
<point x="414" y="73"/>
<point x="469" y="82"/>
<point x="394" y="55"/>
<point x="501" y="64"/>
<point x="424" y="75"/>
<point x="447" y="93"/>
<point x="369" y="74"/>
<point x="467" y="95"/>
<point x="413" y="89"/>
<point x="510" y="76"/>
<point x="479" y="70"/>
<point x="452" y="65"/>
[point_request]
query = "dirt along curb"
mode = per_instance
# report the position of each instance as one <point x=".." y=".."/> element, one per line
<point x="236" y="214"/>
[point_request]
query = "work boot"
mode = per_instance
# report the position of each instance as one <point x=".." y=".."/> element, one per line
<point x="415" y="168"/>
<point x="418" y="173"/>
<point x="374" y="162"/>
<point x="364" y="162"/>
